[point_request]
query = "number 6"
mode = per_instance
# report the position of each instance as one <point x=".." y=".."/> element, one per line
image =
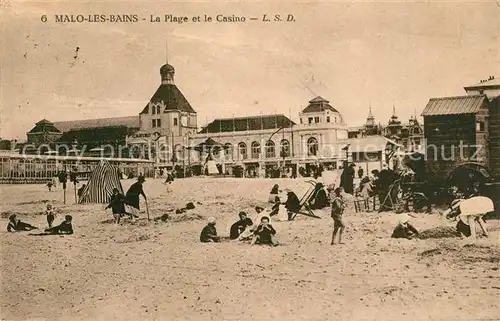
<point x="44" y="18"/>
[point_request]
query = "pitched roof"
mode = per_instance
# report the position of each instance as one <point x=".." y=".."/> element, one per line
<point x="172" y="97"/>
<point x="247" y="123"/>
<point x="454" y="105"/>
<point x="44" y="126"/>
<point x="485" y="83"/>
<point x="95" y="136"/>
<point x="318" y="104"/>
<point x="130" y="122"/>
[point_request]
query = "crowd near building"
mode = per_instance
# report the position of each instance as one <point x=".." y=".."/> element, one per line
<point x="166" y="135"/>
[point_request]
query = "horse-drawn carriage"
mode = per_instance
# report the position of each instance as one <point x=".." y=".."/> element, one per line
<point x="414" y="190"/>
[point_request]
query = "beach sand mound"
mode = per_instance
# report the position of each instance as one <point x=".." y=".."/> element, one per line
<point x="150" y="270"/>
<point x="438" y="232"/>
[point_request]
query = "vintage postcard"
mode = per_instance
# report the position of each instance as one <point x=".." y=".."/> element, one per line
<point x="249" y="160"/>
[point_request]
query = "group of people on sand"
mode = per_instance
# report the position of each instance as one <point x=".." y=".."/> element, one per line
<point x="243" y="229"/>
<point x="65" y="227"/>
<point x="128" y="204"/>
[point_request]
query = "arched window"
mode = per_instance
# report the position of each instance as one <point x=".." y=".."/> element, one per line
<point x="228" y="151"/>
<point x="270" y="152"/>
<point x="312" y="146"/>
<point x="285" y="148"/>
<point x="242" y="150"/>
<point x="158" y="110"/>
<point x="255" y="150"/>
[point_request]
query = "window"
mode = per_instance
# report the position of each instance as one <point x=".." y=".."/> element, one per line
<point x="158" y="110"/>
<point x="255" y="150"/>
<point x="153" y="110"/>
<point x="270" y="152"/>
<point x="228" y="151"/>
<point x="310" y="120"/>
<point x="316" y="120"/>
<point x="242" y="150"/>
<point x="285" y="148"/>
<point x="327" y="119"/>
<point x="301" y="120"/>
<point x="175" y="121"/>
<point x="481" y="91"/>
<point x="312" y="146"/>
<point x="156" y="123"/>
<point x="480" y="126"/>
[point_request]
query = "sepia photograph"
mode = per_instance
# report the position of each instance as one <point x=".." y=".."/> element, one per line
<point x="250" y="160"/>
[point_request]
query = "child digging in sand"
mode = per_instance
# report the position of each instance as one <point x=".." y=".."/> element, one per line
<point x="337" y="211"/>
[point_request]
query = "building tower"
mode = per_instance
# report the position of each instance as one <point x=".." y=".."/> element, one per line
<point x="370" y="128"/>
<point x="394" y="126"/>
<point x="167" y="119"/>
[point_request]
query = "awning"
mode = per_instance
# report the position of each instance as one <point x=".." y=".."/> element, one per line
<point x="208" y="144"/>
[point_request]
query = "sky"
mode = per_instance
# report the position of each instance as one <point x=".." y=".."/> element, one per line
<point x="354" y="54"/>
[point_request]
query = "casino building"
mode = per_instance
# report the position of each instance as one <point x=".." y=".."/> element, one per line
<point x="165" y="132"/>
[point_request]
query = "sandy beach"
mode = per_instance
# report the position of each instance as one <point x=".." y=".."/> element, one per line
<point x="158" y="270"/>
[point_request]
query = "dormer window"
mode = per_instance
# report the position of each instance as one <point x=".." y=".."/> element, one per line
<point x="316" y="120"/>
<point x="158" y="110"/>
<point x="327" y="119"/>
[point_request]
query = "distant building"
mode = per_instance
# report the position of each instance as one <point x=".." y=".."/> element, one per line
<point x="489" y="87"/>
<point x="168" y="119"/>
<point x="165" y="131"/>
<point x="83" y="137"/>
<point x="454" y="128"/>
<point x="464" y="128"/>
<point x="407" y="134"/>
<point x="258" y="144"/>
<point x="494" y="137"/>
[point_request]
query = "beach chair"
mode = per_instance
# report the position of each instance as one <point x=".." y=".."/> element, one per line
<point x="304" y="207"/>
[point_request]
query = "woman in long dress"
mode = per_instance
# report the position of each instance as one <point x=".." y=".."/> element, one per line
<point x="470" y="211"/>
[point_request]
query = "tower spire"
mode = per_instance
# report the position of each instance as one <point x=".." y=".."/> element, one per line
<point x="394" y="111"/>
<point x="166" y="51"/>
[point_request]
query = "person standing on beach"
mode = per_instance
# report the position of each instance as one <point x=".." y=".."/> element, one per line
<point x="117" y="205"/>
<point x="132" y="196"/>
<point x="347" y="179"/>
<point x="49" y="212"/>
<point x="337" y="211"/>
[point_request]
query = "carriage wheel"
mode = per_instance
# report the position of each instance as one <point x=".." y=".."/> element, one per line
<point x="419" y="203"/>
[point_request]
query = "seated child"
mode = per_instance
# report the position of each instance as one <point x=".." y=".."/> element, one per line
<point x="404" y="229"/>
<point x="16" y="225"/>
<point x="209" y="232"/>
<point x="117" y="205"/>
<point x="64" y="228"/>
<point x="240" y="226"/>
<point x="264" y="233"/>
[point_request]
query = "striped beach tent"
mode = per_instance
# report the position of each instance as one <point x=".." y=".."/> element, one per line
<point x="102" y="181"/>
